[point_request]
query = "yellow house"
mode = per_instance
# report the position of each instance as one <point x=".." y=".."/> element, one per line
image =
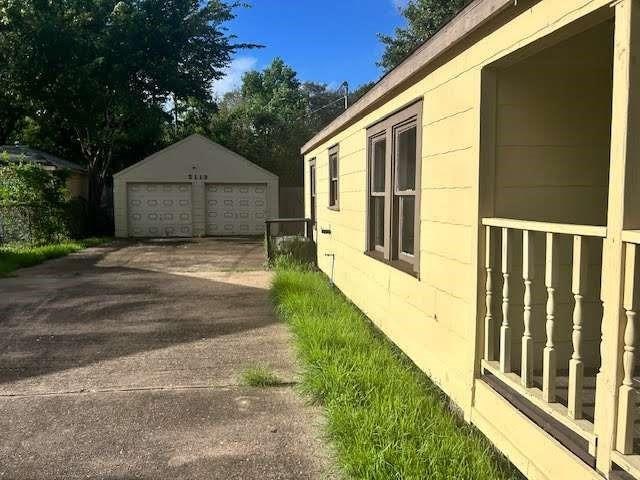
<point x="481" y="205"/>
<point x="77" y="180"/>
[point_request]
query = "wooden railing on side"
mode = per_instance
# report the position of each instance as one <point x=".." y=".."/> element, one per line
<point x="510" y="231"/>
<point x="628" y="393"/>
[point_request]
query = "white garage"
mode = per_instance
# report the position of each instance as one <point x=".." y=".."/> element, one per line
<point x="194" y="188"/>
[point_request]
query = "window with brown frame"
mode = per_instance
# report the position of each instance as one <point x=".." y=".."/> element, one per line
<point x="334" y="193"/>
<point x="393" y="207"/>
<point x="312" y="190"/>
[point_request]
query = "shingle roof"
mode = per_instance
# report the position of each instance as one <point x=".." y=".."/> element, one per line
<point x="21" y="153"/>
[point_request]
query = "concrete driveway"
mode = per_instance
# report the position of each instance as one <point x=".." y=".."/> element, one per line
<point x="123" y="362"/>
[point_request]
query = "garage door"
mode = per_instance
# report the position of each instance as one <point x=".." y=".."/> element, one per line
<point x="236" y="209"/>
<point x="159" y="209"/>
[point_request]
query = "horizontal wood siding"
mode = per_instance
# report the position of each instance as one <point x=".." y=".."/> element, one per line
<point x="433" y="318"/>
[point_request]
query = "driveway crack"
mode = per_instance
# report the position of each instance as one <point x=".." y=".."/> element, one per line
<point x="83" y="391"/>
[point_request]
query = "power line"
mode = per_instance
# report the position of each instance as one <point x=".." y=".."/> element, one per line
<point x="344" y="98"/>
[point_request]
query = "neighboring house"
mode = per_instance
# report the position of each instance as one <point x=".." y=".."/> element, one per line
<point x="514" y="129"/>
<point x="78" y="181"/>
<point x="193" y="188"/>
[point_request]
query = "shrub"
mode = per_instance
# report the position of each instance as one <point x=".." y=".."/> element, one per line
<point x="35" y="205"/>
<point x="27" y="183"/>
<point x="295" y="249"/>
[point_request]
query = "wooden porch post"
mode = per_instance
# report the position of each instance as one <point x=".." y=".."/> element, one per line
<point x="625" y="116"/>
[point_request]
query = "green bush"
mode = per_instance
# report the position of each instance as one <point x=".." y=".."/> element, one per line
<point x="294" y="248"/>
<point x="35" y="205"/>
<point x="27" y="183"/>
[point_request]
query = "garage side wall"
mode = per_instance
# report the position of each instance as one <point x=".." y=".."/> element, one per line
<point x="197" y="161"/>
<point x="120" y="207"/>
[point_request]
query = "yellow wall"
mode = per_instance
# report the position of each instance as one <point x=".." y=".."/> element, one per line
<point x="433" y="319"/>
<point x="553" y="132"/>
<point x="78" y="185"/>
<point x="552" y="164"/>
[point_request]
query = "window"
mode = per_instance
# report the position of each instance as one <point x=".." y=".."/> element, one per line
<point x="393" y="211"/>
<point x="377" y="192"/>
<point x="334" y="194"/>
<point x="312" y="190"/>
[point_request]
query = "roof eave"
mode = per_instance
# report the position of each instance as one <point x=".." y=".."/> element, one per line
<point x="470" y="18"/>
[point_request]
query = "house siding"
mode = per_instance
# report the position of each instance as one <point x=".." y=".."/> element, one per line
<point x="433" y="318"/>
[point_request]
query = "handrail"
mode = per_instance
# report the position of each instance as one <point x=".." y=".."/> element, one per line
<point x="631" y="236"/>
<point x="308" y="230"/>
<point x="286" y="220"/>
<point x="548" y="227"/>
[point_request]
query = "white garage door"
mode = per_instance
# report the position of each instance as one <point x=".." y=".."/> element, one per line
<point x="236" y="209"/>
<point x="159" y="209"/>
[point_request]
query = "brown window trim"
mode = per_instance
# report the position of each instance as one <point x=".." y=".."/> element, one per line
<point x="389" y="127"/>
<point x="335" y="150"/>
<point x="371" y="142"/>
<point x="398" y="264"/>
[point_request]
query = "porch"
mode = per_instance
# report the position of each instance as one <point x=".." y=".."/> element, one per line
<point x="559" y="278"/>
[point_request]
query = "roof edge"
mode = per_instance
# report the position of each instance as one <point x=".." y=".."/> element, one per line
<point x="186" y="139"/>
<point x="469" y="19"/>
<point x="152" y="156"/>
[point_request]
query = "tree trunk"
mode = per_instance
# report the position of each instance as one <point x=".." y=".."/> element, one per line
<point x="99" y="221"/>
<point x="95" y="214"/>
<point x="98" y="154"/>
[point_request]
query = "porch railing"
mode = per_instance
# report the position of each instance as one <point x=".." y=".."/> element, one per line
<point x="307" y="224"/>
<point x="502" y="238"/>
<point x="628" y="390"/>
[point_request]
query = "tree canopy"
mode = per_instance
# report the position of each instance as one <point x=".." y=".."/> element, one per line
<point x="101" y="71"/>
<point x="424" y="18"/>
<point x="107" y="82"/>
<point x="272" y="115"/>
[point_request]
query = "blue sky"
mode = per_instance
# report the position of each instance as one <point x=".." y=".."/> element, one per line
<point x="323" y="40"/>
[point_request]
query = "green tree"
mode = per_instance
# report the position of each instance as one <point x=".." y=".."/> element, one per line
<point x="26" y="183"/>
<point x="424" y="18"/>
<point x="326" y="104"/>
<point x="104" y="69"/>
<point x="268" y="118"/>
<point x="265" y="120"/>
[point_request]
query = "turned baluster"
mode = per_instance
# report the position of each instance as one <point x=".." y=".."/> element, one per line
<point x="627" y="410"/>
<point x="549" y="354"/>
<point x="576" y="367"/>
<point x="505" y="328"/>
<point x="527" y="277"/>
<point x="600" y="375"/>
<point x="489" y="347"/>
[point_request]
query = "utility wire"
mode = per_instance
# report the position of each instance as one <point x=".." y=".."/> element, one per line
<point x="344" y="98"/>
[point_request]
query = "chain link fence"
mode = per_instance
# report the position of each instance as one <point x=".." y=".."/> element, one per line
<point x="32" y="223"/>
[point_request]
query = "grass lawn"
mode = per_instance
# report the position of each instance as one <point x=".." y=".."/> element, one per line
<point x="15" y="256"/>
<point x="385" y="418"/>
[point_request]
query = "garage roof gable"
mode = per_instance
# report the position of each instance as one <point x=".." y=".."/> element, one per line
<point x="192" y="141"/>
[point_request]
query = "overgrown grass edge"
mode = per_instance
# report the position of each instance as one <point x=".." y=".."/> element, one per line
<point x="14" y="257"/>
<point x="385" y="418"/>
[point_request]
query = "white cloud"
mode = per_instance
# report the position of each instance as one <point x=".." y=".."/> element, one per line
<point x="399" y="4"/>
<point x="233" y="75"/>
